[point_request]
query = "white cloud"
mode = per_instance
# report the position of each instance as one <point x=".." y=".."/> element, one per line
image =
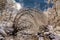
<point x="18" y="6"/>
<point x="14" y="4"/>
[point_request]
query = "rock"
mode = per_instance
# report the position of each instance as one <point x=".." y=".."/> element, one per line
<point x="2" y="4"/>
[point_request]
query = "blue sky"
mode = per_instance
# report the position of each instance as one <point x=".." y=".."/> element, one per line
<point x="41" y="4"/>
